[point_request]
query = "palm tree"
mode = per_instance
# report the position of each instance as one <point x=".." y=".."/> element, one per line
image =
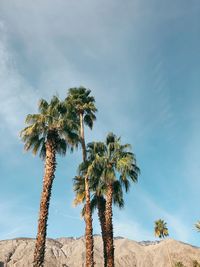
<point x="98" y="189"/>
<point x="49" y="132"/>
<point x="96" y="152"/>
<point x="161" y="231"/>
<point x="118" y="164"/>
<point x="82" y="105"/>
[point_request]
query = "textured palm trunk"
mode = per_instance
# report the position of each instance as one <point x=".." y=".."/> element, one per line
<point x="101" y="214"/>
<point x="89" y="241"/>
<point x="109" y="228"/>
<point x="50" y="167"/>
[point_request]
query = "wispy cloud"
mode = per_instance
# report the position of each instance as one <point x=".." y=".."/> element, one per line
<point x="17" y="97"/>
<point x="138" y="224"/>
<point x="15" y="222"/>
<point x="175" y="222"/>
<point x="130" y="229"/>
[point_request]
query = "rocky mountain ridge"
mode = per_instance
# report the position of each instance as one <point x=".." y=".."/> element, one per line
<point x="70" y="252"/>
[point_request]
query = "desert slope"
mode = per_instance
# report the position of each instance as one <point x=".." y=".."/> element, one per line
<point x="70" y="252"/>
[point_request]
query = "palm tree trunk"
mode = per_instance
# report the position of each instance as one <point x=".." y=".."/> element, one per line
<point x="50" y="167"/>
<point x="101" y="215"/>
<point x="82" y="136"/>
<point x="109" y="228"/>
<point x="88" y="228"/>
<point x="89" y="241"/>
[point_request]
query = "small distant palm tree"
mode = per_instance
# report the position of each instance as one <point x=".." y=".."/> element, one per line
<point x="197" y="226"/>
<point x="82" y="105"/>
<point x="161" y="231"/>
<point x="49" y="132"/>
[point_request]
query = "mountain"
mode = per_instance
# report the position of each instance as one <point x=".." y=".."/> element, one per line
<point x="70" y="252"/>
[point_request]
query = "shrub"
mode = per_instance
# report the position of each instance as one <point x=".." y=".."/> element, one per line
<point x="196" y="263"/>
<point x="179" y="264"/>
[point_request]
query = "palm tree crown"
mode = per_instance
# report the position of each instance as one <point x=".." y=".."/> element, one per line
<point x="52" y="122"/>
<point x="81" y="102"/>
<point x="161" y="229"/>
<point x="118" y="163"/>
<point x="97" y="188"/>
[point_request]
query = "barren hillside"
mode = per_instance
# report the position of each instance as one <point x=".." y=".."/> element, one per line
<point x="70" y="252"/>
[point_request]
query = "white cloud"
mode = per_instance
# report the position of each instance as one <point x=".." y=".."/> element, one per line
<point x="16" y="95"/>
<point x="15" y="222"/>
<point x="130" y="229"/>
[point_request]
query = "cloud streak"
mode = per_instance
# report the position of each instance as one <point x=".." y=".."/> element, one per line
<point x="16" y="96"/>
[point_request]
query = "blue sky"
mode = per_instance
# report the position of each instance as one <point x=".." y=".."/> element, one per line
<point x="141" y="60"/>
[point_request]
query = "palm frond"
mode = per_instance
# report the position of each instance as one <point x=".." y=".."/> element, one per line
<point x="197" y="226"/>
<point x="80" y="101"/>
<point x="118" y="199"/>
<point x="88" y="120"/>
<point x="61" y="146"/>
<point x="52" y="121"/>
<point x="43" y="106"/>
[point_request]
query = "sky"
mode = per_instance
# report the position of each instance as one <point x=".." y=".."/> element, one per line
<point x="141" y="59"/>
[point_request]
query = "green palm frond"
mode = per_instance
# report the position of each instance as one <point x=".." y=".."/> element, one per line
<point x="93" y="203"/>
<point x="42" y="152"/>
<point x="118" y="199"/>
<point x="197" y="226"/>
<point x="111" y="138"/>
<point x="80" y="101"/>
<point x="61" y="146"/>
<point x="108" y="162"/>
<point x="124" y="182"/>
<point x="50" y="123"/>
<point x="89" y="120"/>
<point x="43" y="106"/>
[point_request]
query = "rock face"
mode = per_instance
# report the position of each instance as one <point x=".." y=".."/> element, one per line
<point x="70" y="252"/>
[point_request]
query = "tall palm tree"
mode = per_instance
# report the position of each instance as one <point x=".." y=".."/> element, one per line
<point x="82" y="104"/>
<point x="119" y="163"/>
<point x="161" y="231"/>
<point x="98" y="189"/>
<point x="116" y="163"/>
<point x="49" y="132"/>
